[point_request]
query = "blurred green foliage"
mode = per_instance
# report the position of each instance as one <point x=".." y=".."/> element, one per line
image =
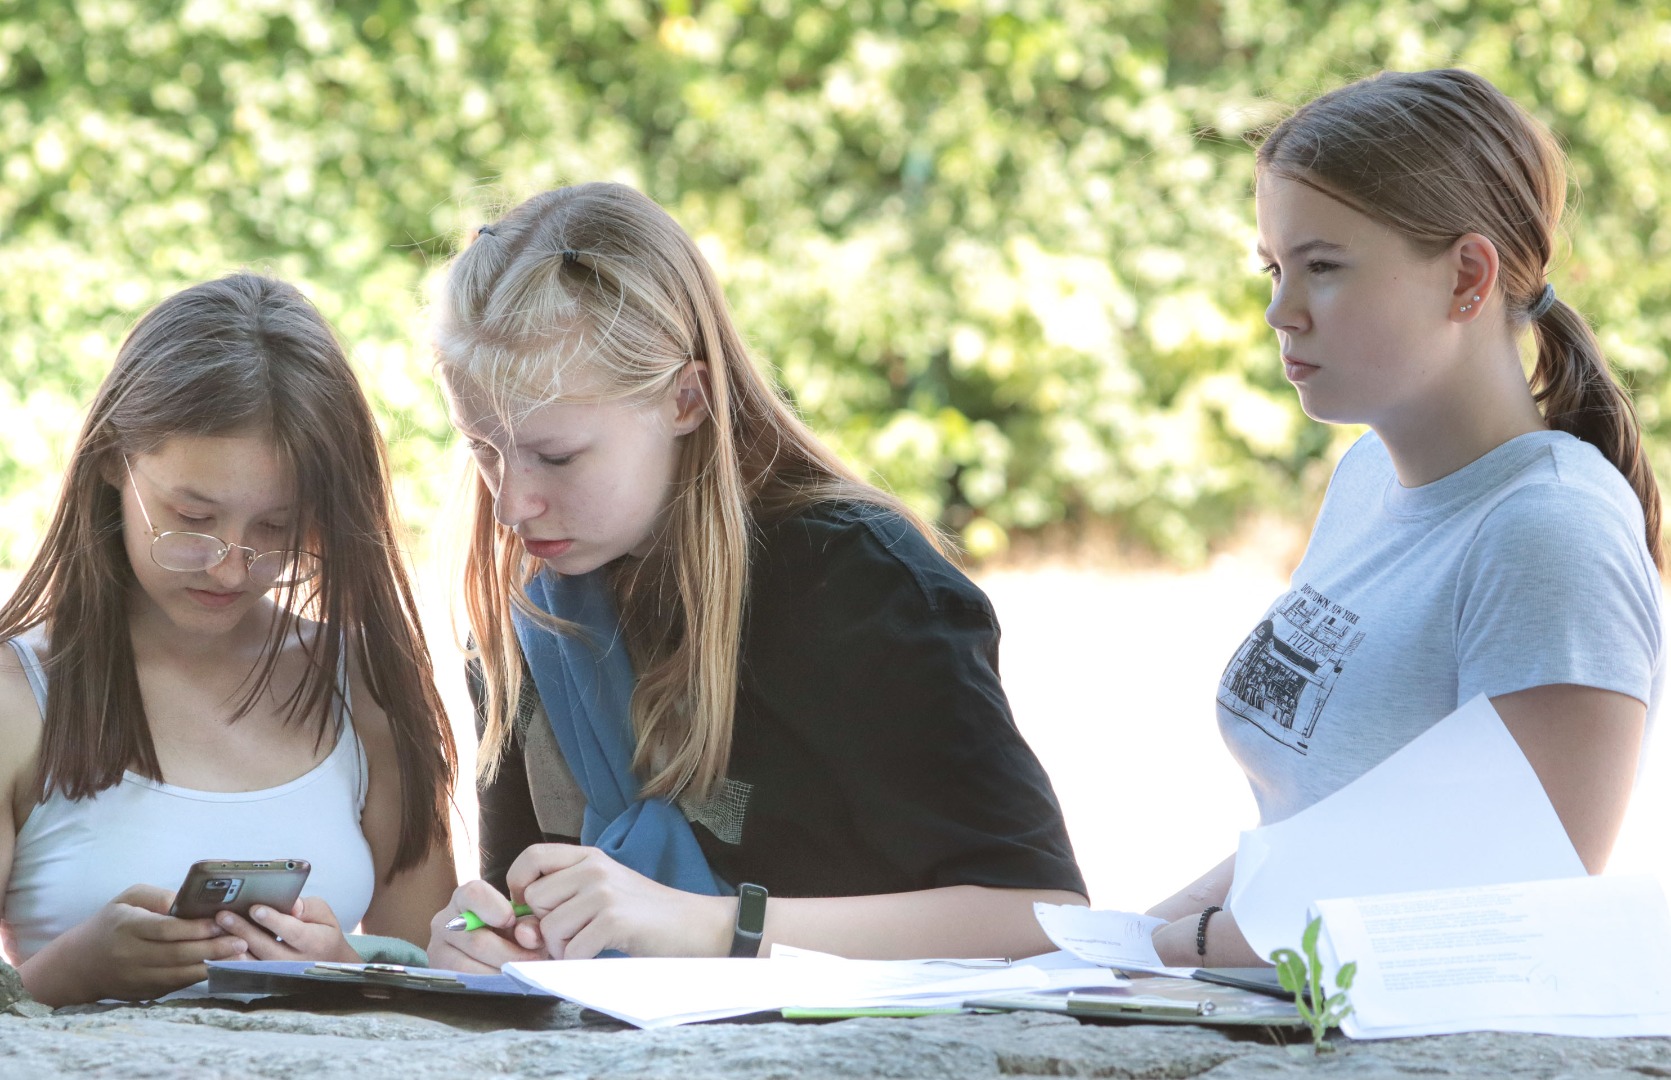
<point x="998" y="250"/>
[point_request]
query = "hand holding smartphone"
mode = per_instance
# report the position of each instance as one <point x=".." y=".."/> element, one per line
<point x="214" y="885"/>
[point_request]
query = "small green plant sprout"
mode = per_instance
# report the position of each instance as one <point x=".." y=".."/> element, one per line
<point x="1302" y="976"/>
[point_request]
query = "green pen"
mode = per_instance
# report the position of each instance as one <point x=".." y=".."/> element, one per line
<point x="791" y="1012"/>
<point x="469" y="920"/>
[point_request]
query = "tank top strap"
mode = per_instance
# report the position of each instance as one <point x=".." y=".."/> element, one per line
<point x="345" y="729"/>
<point x="33" y="670"/>
<point x="343" y="692"/>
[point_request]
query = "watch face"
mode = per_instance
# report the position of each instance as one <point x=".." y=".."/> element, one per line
<point x="751" y="908"/>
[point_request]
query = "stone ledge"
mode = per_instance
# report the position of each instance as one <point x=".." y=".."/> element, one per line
<point x="443" y="1038"/>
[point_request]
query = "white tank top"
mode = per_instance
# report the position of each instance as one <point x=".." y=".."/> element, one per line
<point x="73" y="856"/>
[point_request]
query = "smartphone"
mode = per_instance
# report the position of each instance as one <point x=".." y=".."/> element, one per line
<point x="213" y="885"/>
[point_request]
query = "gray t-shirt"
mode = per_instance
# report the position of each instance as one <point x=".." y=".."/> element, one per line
<point x="1526" y="568"/>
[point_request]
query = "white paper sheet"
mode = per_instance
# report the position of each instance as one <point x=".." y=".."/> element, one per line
<point x="1116" y="939"/>
<point x="1459" y="805"/>
<point x="1574" y="956"/>
<point x="657" y="992"/>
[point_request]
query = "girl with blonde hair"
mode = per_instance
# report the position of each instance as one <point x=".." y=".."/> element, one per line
<point x="1489" y="535"/>
<point x="216" y="655"/>
<point x="714" y="665"/>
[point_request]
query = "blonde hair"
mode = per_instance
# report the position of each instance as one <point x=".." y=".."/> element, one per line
<point x="596" y="286"/>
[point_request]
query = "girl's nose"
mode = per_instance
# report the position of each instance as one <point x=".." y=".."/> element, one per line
<point x="1285" y="311"/>
<point x="233" y="569"/>
<point x="515" y="501"/>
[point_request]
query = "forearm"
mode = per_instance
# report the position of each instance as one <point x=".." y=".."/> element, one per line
<point x="960" y="921"/>
<point x="403" y="907"/>
<point x="1211" y="888"/>
<point x="1177" y="943"/>
<point x="54" y="976"/>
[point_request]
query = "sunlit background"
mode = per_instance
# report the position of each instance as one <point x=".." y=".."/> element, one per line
<point x="997" y="251"/>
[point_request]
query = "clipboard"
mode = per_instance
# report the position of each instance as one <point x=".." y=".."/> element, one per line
<point x="377" y="981"/>
<point x="1158" y="999"/>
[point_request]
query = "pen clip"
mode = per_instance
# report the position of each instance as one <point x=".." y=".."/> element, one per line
<point x="392" y="974"/>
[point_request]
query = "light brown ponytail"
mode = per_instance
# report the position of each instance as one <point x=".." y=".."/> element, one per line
<point x="1579" y="395"/>
<point x="1440" y="154"/>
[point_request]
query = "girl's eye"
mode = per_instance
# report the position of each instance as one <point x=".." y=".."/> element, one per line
<point x="1318" y="266"/>
<point x="190" y="520"/>
<point x="1271" y="270"/>
<point x="479" y="448"/>
<point x="563" y="459"/>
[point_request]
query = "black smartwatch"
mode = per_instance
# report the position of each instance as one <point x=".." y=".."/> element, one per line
<point x="751" y="920"/>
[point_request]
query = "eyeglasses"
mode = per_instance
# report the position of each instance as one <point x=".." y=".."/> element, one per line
<point x="188" y="552"/>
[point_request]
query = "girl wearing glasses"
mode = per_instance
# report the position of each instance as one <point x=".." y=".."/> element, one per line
<point x="716" y="666"/>
<point x="216" y="655"/>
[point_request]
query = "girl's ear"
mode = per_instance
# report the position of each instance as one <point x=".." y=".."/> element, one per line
<point x="113" y="471"/>
<point x="691" y="394"/>
<point x="1474" y="258"/>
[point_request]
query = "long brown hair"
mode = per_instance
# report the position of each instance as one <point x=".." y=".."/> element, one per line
<point x="1439" y="154"/>
<point x="597" y="284"/>
<point x="241" y="354"/>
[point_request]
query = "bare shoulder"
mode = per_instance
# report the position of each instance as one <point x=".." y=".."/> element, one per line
<point x="371" y="723"/>
<point x="19" y="712"/>
<point x="20" y="726"/>
<point x="380" y="817"/>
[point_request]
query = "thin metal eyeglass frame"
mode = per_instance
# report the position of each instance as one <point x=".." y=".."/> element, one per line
<point x="226" y="548"/>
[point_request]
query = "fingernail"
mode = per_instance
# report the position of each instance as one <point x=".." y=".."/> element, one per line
<point x="224" y="919"/>
<point x="240" y="945"/>
<point x="259" y="912"/>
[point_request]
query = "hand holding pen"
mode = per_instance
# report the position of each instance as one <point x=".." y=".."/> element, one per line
<point x="454" y="943"/>
<point x="469" y="920"/>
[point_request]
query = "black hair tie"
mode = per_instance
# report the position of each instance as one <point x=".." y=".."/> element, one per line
<point x="485" y="230"/>
<point x="570" y="256"/>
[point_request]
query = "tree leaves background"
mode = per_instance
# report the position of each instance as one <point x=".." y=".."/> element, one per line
<point x="996" y="250"/>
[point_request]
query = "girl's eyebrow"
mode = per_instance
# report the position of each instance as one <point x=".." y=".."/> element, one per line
<point x="1300" y="251"/>
<point x="193" y="495"/>
<point x="555" y="444"/>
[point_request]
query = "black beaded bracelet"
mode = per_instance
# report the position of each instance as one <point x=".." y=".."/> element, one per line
<point x="1201" y="931"/>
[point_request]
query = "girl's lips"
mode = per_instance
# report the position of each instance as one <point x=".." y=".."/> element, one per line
<point x="547" y="549"/>
<point x="211" y="599"/>
<point x="1296" y="369"/>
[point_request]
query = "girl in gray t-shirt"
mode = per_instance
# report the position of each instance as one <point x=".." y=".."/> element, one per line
<point x="1488" y="536"/>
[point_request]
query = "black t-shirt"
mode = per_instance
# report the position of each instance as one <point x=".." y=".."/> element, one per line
<point x="873" y="749"/>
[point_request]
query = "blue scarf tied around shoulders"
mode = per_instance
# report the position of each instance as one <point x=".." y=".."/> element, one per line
<point x="585" y="682"/>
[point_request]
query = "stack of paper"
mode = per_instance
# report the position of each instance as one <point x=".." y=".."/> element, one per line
<point x="1457" y="806"/>
<point x="1116" y="939"/>
<point x="1577" y="956"/>
<point x="654" y="992"/>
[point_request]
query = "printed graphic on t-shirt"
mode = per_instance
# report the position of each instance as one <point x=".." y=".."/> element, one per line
<point x="1283" y="673"/>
